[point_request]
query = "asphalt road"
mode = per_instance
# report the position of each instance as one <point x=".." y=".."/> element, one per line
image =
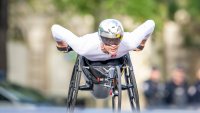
<point x="63" y="110"/>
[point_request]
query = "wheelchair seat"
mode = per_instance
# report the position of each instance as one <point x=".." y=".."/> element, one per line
<point x="99" y="69"/>
<point x="110" y="62"/>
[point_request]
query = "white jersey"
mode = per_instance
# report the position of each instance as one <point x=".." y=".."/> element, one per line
<point x="89" y="45"/>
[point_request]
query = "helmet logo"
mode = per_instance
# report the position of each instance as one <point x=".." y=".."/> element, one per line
<point x="118" y="35"/>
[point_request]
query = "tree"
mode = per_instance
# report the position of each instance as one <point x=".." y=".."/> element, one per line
<point x="3" y="35"/>
<point x="191" y="32"/>
<point x="140" y="10"/>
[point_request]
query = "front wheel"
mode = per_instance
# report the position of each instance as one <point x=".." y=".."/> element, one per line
<point x="117" y="91"/>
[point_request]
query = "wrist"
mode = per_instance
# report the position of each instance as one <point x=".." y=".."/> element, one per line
<point x="61" y="44"/>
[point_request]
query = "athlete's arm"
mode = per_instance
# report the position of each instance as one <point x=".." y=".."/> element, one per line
<point x="65" y="38"/>
<point x="136" y="39"/>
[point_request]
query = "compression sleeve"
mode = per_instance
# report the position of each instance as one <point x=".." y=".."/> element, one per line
<point x="134" y="38"/>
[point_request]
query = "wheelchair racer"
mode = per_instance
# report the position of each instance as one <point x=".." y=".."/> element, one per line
<point x="110" y="42"/>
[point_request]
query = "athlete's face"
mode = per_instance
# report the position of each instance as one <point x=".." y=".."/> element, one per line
<point x="111" y="49"/>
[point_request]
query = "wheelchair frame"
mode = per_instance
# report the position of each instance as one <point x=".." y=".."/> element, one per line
<point x="114" y="82"/>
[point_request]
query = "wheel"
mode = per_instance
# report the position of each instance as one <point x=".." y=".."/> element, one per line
<point x="132" y="91"/>
<point x="73" y="88"/>
<point x="117" y="91"/>
<point x="132" y="87"/>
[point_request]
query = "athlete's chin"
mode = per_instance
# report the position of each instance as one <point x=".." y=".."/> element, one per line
<point x="113" y="52"/>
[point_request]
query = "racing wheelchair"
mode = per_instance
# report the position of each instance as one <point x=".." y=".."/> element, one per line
<point x="104" y="78"/>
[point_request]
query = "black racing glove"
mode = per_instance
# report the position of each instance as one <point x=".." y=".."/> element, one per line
<point x="65" y="49"/>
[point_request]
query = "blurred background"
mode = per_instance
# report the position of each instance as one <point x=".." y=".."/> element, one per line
<point x="34" y="73"/>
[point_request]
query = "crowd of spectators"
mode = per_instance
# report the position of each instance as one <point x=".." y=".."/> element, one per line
<point x="175" y="92"/>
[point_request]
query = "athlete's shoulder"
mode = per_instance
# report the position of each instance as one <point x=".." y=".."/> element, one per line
<point x="95" y="34"/>
<point x="126" y="34"/>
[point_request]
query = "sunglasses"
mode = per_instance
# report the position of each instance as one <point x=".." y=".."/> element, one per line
<point x="111" y="41"/>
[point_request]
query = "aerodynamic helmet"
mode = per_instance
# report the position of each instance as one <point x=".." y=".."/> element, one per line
<point x="111" y="31"/>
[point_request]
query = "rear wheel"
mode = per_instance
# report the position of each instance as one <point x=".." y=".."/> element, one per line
<point x="132" y="87"/>
<point x="117" y="91"/>
<point x="73" y="89"/>
<point x="132" y="91"/>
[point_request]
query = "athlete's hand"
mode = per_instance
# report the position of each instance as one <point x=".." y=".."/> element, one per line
<point x="141" y="46"/>
<point x="62" y="46"/>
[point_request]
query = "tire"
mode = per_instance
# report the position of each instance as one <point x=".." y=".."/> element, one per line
<point x="73" y="88"/>
<point x="117" y="90"/>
